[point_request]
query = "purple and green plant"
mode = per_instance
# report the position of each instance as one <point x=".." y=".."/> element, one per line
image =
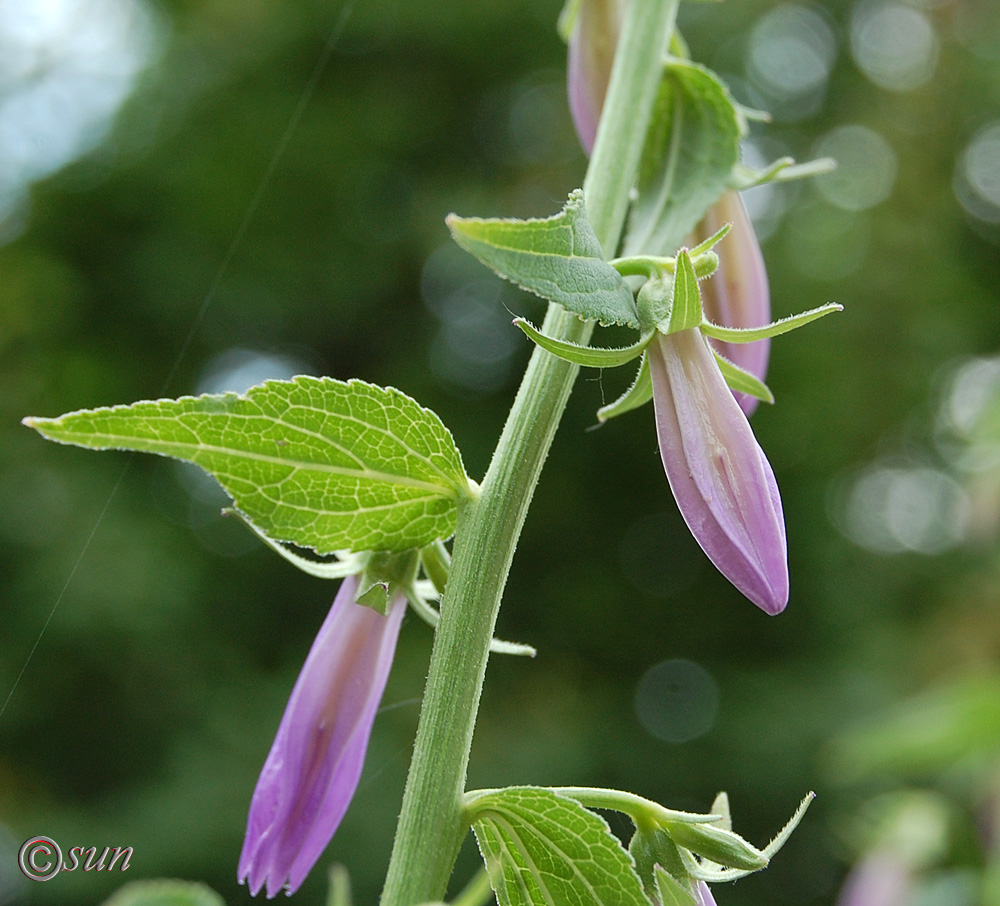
<point x="656" y="241"/>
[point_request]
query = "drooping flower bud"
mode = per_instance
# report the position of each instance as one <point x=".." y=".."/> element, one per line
<point x="315" y="762"/>
<point x="591" y="55"/>
<point x="719" y="476"/>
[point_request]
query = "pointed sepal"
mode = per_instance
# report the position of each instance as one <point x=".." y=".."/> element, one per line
<point x="774" y="329"/>
<point x="640" y="393"/>
<point x="670" y="892"/>
<point x="685" y="311"/>
<point x="742" y="381"/>
<point x="589" y="356"/>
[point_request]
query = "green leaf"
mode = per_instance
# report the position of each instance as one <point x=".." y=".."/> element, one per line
<point x="165" y="893"/>
<point x="542" y="849"/>
<point x="590" y="356"/>
<point x="640" y="393"/>
<point x="559" y="259"/>
<point x="685" y="308"/>
<point x="743" y="381"/>
<point x="774" y="329"/>
<point x="320" y="463"/>
<point x="691" y="148"/>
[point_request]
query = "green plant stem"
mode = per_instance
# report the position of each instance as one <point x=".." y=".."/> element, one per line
<point x="431" y="825"/>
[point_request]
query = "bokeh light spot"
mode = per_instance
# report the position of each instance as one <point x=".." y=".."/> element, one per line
<point x="894" y="45"/>
<point x="894" y="509"/>
<point x="65" y="68"/>
<point x="866" y="167"/>
<point x="977" y="176"/>
<point x="791" y="53"/>
<point x="677" y="700"/>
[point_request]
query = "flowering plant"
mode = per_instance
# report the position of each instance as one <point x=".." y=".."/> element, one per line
<point x="366" y="473"/>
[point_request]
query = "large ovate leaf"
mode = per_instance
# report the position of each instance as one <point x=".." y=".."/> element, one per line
<point x="692" y="145"/>
<point x="321" y="463"/>
<point x="558" y="258"/>
<point x="542" y="849"/>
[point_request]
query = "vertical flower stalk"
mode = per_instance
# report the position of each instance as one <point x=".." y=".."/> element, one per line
<point x="719" y="476"/>
<point x="315" y="762"/>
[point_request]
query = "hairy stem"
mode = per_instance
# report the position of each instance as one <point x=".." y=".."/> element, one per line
<point x="431" y="825"/>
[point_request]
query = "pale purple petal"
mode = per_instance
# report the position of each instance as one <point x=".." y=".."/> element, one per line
<point x="737" y="294"/>
<point x="722" y="482"/>
<point x="315" y="762"/>
<point x="704" y="895"/>
<point x="588" y="70"/>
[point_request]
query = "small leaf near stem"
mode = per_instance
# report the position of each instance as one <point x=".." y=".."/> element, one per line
<point x="557" y="258"/>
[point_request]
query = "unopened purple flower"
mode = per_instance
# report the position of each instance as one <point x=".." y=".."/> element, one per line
<point x="315" y="762"/>
<point x="738" y="293"/>
<point x="588" y="69"/>
<point x="723" y="484"/>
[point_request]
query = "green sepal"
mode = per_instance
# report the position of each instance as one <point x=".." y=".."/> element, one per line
<point x="339" y="891"/>
<point x="651" y="847"/>
<point x="558" y="258"/>
<point x="703" y="248"/>
<point x="685" y="309"/>
<point x="589" y="356"/>
<point x="691" y="148"/>
<point x="382" y="575"/>
<point x="743" y="381"/>
<point x="784" y="169"/>
<point x="567" y="18"/>
<point x="774" y="329"/>
<point x="640" y="393"/>
<point x="670" y="892"/>
<point x="720" y="807"/>
<point x="718" y="845"/>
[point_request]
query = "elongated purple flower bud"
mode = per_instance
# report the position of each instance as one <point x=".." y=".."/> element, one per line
<point x="588" y="69"/>
<point x="737" y="295"/>
<point x="315" y="762"/>
<point x="723" y="484"/>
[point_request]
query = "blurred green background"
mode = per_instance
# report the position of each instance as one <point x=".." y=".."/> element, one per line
<point x="145" y="663"/>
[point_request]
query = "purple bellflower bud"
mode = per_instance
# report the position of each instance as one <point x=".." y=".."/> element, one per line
<point x="591" y="55"/>
<point x="315" y="762"/>
<point x="738" y="293"/>
<point x="723" y="484"/>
